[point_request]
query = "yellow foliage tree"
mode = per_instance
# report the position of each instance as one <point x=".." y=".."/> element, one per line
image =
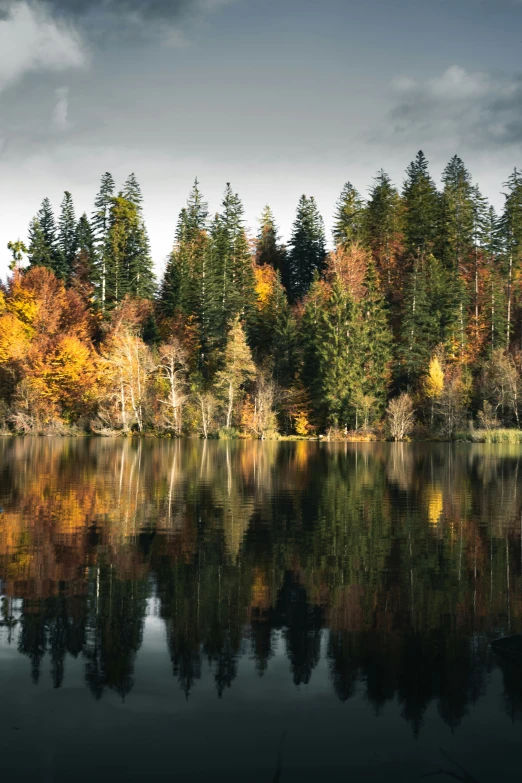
<point x="433" y="383"/>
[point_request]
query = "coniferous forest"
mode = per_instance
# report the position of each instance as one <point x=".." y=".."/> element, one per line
<point x="410" y="326"/>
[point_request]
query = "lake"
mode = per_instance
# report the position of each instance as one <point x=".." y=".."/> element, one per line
<point x="248" y="611"/>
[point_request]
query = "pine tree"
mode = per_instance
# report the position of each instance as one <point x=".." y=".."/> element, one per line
<point x="184" y="282"/>
<point x="384" y="233"/>
<point x="142" y="282"/>
<point x="426" y="319"/>
<point x="132" y="192"/>
<point x="43" y="245"/>
<point x="333" y="366"/>
<point x="231" y="272"/>
<point x="459" y="208"/>
<point x="349" y="218"/>
<point x="83" y="267"/>
<point x="85" y="237"/>
<point x="422" y="208"/>
<point x="121" y="250"/>
<point x="307" y="256"/>
<point x="197" y="213"/>
<point x="376" y="339"/>
<point x="268" y="247"/>
<point x="67" y="236"/>
<point x="100" y="224"/>
<point x="511" y="234"/>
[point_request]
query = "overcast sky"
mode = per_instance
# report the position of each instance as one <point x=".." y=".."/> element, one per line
<point x="279" y="97"/>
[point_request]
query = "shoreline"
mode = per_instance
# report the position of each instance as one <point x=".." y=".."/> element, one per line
<point x="501" y="436"/>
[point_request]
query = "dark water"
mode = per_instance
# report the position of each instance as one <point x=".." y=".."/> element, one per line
<point x="251" y="611"/>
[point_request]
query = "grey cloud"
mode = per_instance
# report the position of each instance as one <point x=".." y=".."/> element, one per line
<point x="480" y="110"/>
<point x="168" y="10"/>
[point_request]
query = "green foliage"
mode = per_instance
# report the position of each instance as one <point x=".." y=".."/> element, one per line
<point x="349" y="218"/>
<point x="307" y="254"/>
<point x="268" y="247"/>
<point x="43" y="243"/>
<point x="67" y="236"/>
<point x="422" y="207"/>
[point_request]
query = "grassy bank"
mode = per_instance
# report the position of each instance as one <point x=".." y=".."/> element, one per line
<point x="490" y="436"/>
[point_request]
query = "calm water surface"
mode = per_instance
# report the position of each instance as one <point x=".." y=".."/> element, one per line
<point x="181" y="611"/>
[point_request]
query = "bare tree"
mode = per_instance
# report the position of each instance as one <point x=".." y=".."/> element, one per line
<point x="207" y="406"/>
<point x="173" y="370"/>
<point x="129" y="365"/>
<point x="259" y="416"/>
<point x="400" y="416"/>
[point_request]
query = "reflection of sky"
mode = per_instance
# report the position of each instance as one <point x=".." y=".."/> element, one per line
<point x="280" y="97"/>
<point x="157" y="734"/>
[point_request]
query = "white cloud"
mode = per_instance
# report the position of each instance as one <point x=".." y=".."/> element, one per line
<point x="60" y="116"/>
<point x="31" y="40"/>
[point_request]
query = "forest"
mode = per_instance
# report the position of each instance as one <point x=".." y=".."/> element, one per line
<point x="407" y="324"/>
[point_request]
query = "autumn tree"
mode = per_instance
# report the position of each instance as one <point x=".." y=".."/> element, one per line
<point x="238" y="369"/>
<point x="172" y="367"/>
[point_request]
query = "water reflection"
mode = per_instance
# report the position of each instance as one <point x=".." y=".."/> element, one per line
<point x="396" y="563"/>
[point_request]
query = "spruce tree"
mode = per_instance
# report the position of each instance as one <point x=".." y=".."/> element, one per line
<point x="349" y="218"/>
<point x="384" y="233"/>
<point x="459" y="208"/>
<point x="85" y="237"/>
<point x="307" y="255"/>
<point x="422" y="208"/>
<point x="142" y="281"/>
<point x="268" y="247"/>
<point x="43" y="244"/>
<point x="232" y="262"/>
<point x="184" y="282"/>
<point x="376" y="339"/>
<point x="83" y="267"/>
<point x="67" y="236"/>
<point x="333" y="366"/>
<point x="121" y="249"/>
<point x="100" y="224"/>
<point x="510" y="227"/>
<point x="420" y="327"/>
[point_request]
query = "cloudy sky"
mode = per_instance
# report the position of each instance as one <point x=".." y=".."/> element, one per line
<point x="279" y="97"/>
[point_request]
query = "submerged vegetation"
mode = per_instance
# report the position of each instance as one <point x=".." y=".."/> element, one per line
<point x="411" y="326"/>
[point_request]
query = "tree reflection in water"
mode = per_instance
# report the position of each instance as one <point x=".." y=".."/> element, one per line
<point x="398" y="563"/>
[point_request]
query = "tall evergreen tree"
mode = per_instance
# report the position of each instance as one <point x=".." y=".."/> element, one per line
<point x="349" y="218"/>
<point x="433" y="314"/>
<point x="67" y="236"/>
<point x="83" y="267"/>
<point x="142" y="282"/>
<point x="85" y="236"/>
<point x="233" y="260"/>
<point x="384" y="233"/>
<point x="184" y="282"/>
<point x="130" y="269"/>
<point x="460" y="206"/>
<point x="43" y="244"/>
<point x="307" y="256"/>
<point x="268" y="247"/>
<point x="376" y="339"/>
<point x="100" y="224"/>
<point x="422" y="208"/>
<point x="511" y="234"/>
<point x="333" y="367"/>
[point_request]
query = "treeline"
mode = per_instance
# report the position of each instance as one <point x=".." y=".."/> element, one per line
<point x="416" y="312"/>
